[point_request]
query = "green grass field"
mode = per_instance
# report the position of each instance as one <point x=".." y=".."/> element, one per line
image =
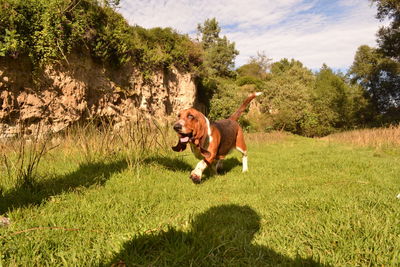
<point x="303" y="202"/>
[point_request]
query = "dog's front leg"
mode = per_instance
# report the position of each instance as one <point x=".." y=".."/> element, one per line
<point x="208" y="160"/>
<point x="196" y="174"/>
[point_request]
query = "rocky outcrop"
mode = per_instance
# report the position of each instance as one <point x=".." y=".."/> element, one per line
<point x="82" y="89"/>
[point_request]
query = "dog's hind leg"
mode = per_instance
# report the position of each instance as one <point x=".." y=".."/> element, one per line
<point x="216" y="167"/>
<point x="242" y="148"/>
<point x="219" y="165"/>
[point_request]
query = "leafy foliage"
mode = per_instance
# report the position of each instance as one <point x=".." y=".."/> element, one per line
<point x="378" y="70"/>
<point x="48" y="30"/>
<point x="289" y="99"/>
<point x="379" y="76"/>
<point x="389" y="36"/>
<point x="225" y="101"/>
<point x="338" y="103"/>
<point x="257" y="67"/>
<point x="246" y="80"/>
<point x="312" y="104"/>
<point x="295" y="99"/>
<point x="219" y="53"/>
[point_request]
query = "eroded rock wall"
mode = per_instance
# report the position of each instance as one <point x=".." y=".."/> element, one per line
<point x="82" y="89"/>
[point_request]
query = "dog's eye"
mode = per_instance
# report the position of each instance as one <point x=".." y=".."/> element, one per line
<point x="190" y="117"/>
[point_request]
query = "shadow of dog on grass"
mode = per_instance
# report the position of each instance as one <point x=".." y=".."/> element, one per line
<point x="220" y="236"/>
<point x="177" y="164"/>
<point x="87" y="174"/>
<point x="172" y="164"/>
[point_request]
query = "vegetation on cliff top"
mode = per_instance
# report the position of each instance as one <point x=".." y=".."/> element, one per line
<point x="48" y="30"/>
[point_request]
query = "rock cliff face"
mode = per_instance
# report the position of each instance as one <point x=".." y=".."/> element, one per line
<point x="82" y="89"/>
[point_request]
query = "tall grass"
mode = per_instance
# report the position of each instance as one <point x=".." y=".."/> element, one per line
<point x="388" y="137"/>
<point x="22" y="155"/>
<point x="99" y="140"/>
<point x="270" y="138"/>
<point x="94" y="142"/>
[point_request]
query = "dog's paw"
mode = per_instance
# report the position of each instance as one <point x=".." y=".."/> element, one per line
<point x="195" y="178"/>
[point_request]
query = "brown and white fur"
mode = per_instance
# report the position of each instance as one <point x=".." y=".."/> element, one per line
<point x="211" y="142"/>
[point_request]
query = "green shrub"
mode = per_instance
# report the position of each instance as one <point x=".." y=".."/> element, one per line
<point x="48" y="30"/>
<point x="250" y="80"/>
<point x="226" y="100"/>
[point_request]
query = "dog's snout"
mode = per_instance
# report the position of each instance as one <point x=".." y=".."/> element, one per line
<point x="177" y="127"/>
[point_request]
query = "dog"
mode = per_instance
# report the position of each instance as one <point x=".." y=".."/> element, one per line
<point x="211" y="142"/>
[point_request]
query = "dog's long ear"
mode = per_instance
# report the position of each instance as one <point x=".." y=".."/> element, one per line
<point x="179" y="147"/>
<point x="200" y="133"/>
<point x="200" y="128"/>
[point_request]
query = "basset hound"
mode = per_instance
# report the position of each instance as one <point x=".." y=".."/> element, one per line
<point x="211" y="142"/>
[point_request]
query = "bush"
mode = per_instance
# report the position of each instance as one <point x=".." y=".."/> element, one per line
<point x="48" y="30"/>
<point x="226" y="100"/>
<point x="245" y="80"/>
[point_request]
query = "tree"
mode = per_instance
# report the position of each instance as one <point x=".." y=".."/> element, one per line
<point x="378" y="70"/>
<point x="337" y="103"/>
<point x="299" y="101"/>
<point x="379" y="76"/>
<point x="389" y="36"/>
<point x="263" y="61"/>
<point x="209" y="33"/>
<point x="288" y="100"/>
<point x="257" y="67"/>
<point x="329" y="98"/>
<point x="220" y="53"/>
<point x="111" y="3"/>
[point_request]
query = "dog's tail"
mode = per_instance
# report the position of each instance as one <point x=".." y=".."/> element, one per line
<point x="235" y="116"/>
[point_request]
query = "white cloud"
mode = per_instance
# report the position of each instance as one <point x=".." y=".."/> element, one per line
<point x="305" y="30"/>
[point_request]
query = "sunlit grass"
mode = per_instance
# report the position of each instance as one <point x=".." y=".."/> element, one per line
<point x="303" y="202"/>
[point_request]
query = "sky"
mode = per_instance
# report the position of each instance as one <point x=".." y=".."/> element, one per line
<point x="311" y="31"/>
